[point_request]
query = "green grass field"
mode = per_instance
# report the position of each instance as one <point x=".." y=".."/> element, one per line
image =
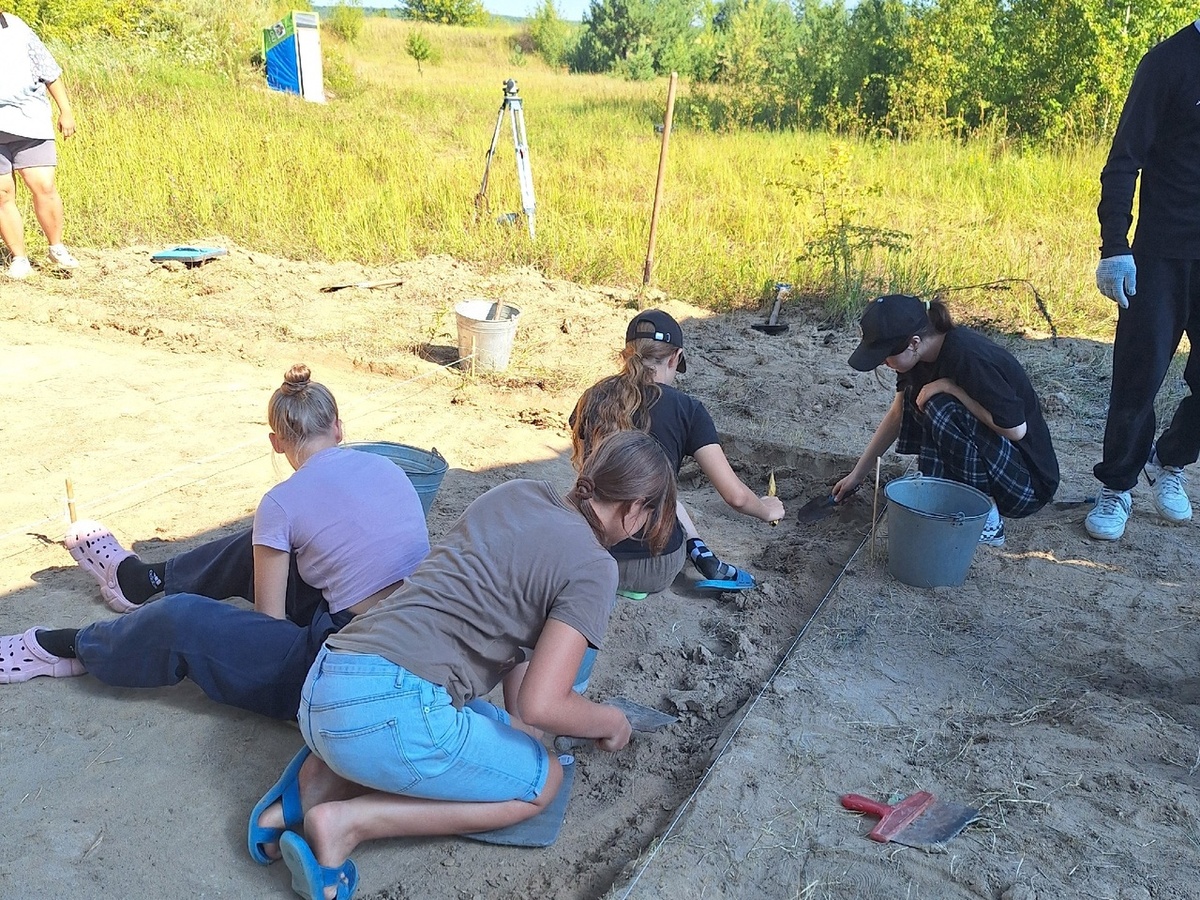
<point x="389" y="169"/>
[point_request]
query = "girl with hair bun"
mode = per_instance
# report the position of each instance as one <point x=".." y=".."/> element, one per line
<point x="963" y="405"/>
<point x="399" y="741"/>
<point x="343" y="531"/>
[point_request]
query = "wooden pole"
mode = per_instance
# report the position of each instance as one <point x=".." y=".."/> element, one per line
<point x="875" y="510"/>
<point x="70" y="501"/>
<point x="662" y="171"/>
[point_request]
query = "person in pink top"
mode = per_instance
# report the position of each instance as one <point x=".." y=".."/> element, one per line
<point x="342" y="532"/>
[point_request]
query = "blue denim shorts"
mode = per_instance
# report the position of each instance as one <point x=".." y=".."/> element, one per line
<point x="378" y="725"/>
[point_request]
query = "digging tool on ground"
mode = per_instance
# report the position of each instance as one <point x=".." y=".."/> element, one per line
<point x="641" y="718"/>
<point x="919" y="820"/>
<point x="1074" y="503"/>
<point x="773" y="325"/>
<point x="391" y="282"/>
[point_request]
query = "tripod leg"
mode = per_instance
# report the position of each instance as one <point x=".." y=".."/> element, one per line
<point x="524" y="172"/>
<point x="481" y="203"/>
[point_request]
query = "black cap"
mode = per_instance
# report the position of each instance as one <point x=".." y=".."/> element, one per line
<point x="888" y="324"/>
<point x="656" y="325"/>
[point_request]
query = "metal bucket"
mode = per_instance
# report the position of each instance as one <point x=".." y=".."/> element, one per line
<point x="486" y="343"/>
<point x="933" y="529"/>
<point x="424" y="468"/>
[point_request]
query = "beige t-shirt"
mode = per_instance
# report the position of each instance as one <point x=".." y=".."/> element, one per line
<point x="519" y="555"/>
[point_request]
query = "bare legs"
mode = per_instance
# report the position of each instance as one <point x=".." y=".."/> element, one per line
<point x="47" y="206"/>
<point x="339" y="815"/>
<point x="12" y="231"/>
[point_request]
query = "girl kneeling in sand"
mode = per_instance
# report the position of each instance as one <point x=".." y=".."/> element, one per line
<point x="401" y="741"/>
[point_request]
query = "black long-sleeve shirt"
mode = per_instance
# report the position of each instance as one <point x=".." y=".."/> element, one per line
<point x="1158" y="135"/>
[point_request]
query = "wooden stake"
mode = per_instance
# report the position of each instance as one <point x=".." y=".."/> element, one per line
<point x="70" y="501"/>
<point x="662" y="171"/>
<point x="875" y="510"/>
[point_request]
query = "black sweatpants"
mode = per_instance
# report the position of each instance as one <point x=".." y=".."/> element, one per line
<point x="1166" y="305"/>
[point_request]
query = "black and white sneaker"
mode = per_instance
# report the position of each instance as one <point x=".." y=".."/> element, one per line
<point x="993" y="529"/>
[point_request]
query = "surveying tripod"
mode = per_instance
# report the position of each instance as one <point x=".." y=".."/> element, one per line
<point x="512" y="103"/>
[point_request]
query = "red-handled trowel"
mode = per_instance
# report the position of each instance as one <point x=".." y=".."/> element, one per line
<point x="919" y="820"/>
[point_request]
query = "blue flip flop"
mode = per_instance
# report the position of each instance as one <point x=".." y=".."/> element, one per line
<point x="287" y="791"/>
<point x="744" y="582"/>
<point x="309" y="877"/>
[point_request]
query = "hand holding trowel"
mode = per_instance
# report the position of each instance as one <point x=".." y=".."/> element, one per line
<point x="823" y="505"/>
<point x="641" y="718"/>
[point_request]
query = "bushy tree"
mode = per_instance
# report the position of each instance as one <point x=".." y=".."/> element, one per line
<point x="346" y="21"/>
<point x="418" y="47"/>
<point x="636" y="38"/>
<point x="446" y="12"/>
<point x="550" y="37"/>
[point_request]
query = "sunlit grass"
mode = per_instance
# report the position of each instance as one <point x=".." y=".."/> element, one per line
<point x="390" y="169"/>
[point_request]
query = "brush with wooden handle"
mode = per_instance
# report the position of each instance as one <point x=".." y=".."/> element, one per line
<point x="771" y="491"/>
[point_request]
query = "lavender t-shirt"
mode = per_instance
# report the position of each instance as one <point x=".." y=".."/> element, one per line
<point x="26" y="67"/>
<point x="354" y="520"/>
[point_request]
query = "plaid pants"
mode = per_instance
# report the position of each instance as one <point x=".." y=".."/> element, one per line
<point x="951" y="443"/>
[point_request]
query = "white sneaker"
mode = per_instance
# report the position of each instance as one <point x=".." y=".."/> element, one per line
<point x="1106" y="521"/>
<point x="1170" y="493"/>
<point x="19" y="268"/>
<point x="61" y="257"/>
<point x="993" y="529"/>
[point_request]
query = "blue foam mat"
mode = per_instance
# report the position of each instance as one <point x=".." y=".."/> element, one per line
<point x="189" y="255"/>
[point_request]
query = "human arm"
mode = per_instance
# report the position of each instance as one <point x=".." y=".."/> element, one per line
<point x="948" y="386"/>
<point x="885" y="435"/>
<point x="270" y="581"/>
<point x="714" y="464"/>
<point x="545" y="700"/>
<point x="66" y="119"/>
<point x="1137" y="130"/>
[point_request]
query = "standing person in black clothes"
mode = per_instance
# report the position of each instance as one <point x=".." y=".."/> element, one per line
<point x="1158" y="135"/>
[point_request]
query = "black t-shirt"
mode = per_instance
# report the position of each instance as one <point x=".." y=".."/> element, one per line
<point x="994" y="379"/>
<point x="682" y="426"/>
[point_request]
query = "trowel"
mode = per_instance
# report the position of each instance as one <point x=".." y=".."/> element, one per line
<point x="919" y="820"/>
<point x="641" y="718"/>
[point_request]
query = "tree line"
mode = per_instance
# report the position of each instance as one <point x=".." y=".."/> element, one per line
<point x="1042" y="69"/>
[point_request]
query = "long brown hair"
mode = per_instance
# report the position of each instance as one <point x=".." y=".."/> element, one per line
<point x="619" y="402"/>
<point x="625" y="467"/>
<point x="301" y="408"/>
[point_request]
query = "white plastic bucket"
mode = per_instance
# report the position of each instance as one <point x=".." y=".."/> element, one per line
<point x="933" y="529"/>
<point x="485" y="344"/>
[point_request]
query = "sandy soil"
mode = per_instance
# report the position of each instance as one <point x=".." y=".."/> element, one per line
<point x="1055" y="690"/>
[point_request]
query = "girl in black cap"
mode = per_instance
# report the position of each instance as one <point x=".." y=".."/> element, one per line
<point x="643" y="397"/>
<point x="963" y="405"/>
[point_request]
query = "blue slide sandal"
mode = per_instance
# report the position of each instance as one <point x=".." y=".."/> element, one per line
<point x="309" y="877"/>
<point x="744" y="582"/>
<point x="287" y="791"/>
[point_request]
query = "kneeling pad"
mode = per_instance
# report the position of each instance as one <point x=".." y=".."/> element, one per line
<point x="541" y="830"/>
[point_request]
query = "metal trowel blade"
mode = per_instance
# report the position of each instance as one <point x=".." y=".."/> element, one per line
<point x="641" y="718"/>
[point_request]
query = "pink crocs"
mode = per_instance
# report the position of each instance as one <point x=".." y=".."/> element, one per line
<point x="98" y="553"/>
<point x="22" y="658"/>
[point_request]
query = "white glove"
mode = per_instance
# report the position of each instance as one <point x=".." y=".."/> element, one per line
<point x="1116" y="277"/>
